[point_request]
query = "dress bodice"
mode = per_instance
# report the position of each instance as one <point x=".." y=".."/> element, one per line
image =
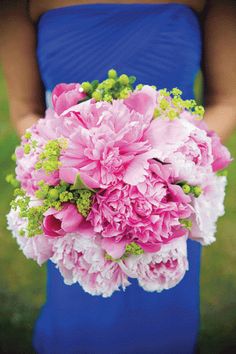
<point x="159" y="43"/>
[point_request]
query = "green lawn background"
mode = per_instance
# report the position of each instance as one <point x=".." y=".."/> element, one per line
<point x="22" y="282"/>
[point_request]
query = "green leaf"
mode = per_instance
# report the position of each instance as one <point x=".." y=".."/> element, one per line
<point x="79" y="184"/>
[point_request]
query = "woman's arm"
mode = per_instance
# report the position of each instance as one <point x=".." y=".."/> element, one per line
<point x="18" y="59"/>
<point x="220" y="66"/>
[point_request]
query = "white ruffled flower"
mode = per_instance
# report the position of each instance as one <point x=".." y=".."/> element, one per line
<point x="161" y="270"/>
<point x="208" y="208"/>
<point x="38" y="248"/>
<point x="81" y="259"/>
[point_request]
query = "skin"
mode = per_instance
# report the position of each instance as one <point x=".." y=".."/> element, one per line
<point x="25" y="89"/>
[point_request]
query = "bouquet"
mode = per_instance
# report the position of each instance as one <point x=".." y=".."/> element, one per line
<point x="112" y="183"/>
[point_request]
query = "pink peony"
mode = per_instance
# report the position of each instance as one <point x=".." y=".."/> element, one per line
<point x="58" y="223"/>
<point x="148" y="214"/>
<point x="221" y="154"/>
<point x="110" y="135"/>
<point x="143" y="101"/>
<point x="92" y="114"/>
<point x="80" y="258"/>
<point x="38" y="248"/>
<point x="187" y="148"/>
<point x="161" y="270"/>
<point x="65" y="96"/>
<point x="207" y="209"/>
<point x="41" y="133"/>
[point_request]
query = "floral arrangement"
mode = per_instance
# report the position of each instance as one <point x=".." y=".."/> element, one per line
<point x="112" y="183"/>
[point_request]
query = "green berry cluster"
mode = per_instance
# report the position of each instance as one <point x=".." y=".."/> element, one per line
<point x="30" y="144"/>
<point x="188" y="189"/>
<point x="49" y="157"/>
<point x="34" y="215"/>
<point x="113" y="87"/>
<point x="84" y="201"/>
<point x="21" y="201"/>
<point x="54" y="197"/>
<point x="171" y="104"/>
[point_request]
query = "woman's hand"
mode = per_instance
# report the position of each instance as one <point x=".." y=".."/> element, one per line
<point x="26" y="122"/>
<point x="222" y="119"/>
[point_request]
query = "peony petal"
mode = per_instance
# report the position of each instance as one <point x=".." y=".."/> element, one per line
<point x="51" y="223"/>
<point x="50" y="211"/>
<point x="137" y="169"/>
<point x="167" y="136"/>
<point x="143" y="101"/>
<point x="71" y="219"/>
<point x="89" y="181"/>
<point x="65" y="96"/>
<point x="68" y="174"/>
<point x="86" y="229"/>
<point x="113" y="248"/>
<point x="150" y="247"/>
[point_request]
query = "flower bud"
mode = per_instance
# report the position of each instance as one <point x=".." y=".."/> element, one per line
<point x="40" y="194"/>
<point x="53" y="194"/>
<point x="87" y="87"/>
<point x="27" y="149"/>
<point x="139" y="87"/>
<point x="197" y="191"/>
<point x="97" y="95"/>
<point x="112" y="74"/>
<point x="186" y="188"/>
<point x="28" y="135"/>
<point x="123" y="79"/>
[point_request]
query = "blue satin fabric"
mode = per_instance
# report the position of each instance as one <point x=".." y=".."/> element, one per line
<point x="161" y="45"/>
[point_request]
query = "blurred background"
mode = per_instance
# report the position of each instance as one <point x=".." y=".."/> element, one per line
<point x="22" y="281"/>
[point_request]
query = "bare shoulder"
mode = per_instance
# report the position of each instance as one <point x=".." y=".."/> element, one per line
<point x="37" y="8"/>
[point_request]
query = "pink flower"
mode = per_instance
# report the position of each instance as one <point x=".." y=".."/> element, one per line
<point x="109" y="136"/>
<point x="148" y="214"/>
<point x="221" y="154"/>
<point x="80" y="258"/>
<point x="207" y="209"/>
<point x="187" y="148"/>
<point x="161" y="270"/>
<point x="143" y="101"/>
<point x="58" y="223"/>
<point x="92" y="114"/>
<point x="65" y="96"/>
<point x="45" y="130"/>
<point x="167" y="136"/>
<point x="38" y="248"/>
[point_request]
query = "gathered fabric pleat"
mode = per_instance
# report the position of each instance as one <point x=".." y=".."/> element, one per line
<point x="161" y="45"/>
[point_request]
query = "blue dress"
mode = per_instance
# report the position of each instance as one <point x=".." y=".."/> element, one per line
<point x="161" y="45"/>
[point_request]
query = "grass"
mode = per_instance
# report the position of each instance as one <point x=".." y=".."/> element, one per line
<point x="22" y="282"/>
